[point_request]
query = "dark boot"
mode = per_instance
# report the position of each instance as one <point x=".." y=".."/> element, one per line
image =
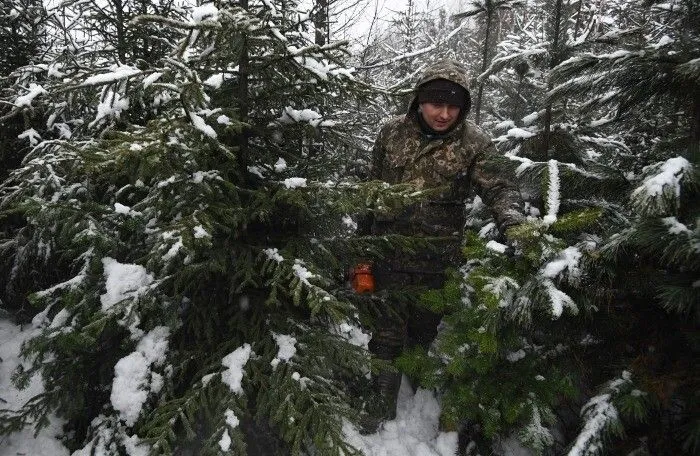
<point x="387" y="343"/>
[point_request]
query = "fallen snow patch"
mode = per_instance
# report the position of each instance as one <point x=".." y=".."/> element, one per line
<point x="46" y="442"/>
<point x="414" y="432"/>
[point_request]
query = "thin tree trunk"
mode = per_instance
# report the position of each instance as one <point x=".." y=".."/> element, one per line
<point x="121" y="38"/>
<point x="321" y="22"/>
<point x="554" y="61"/>
<point x="694" y="146"/>
<point x="243" y="99"/>
<point x="484" y="61"/>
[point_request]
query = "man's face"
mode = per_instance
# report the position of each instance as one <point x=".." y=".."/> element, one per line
<point x="439" y="116"/>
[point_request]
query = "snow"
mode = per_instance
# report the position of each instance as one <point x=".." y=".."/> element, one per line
<point x="174" y="249"/>
<point x="234" y="363"/>
<point x="273" y="254"/>
<point x="154" y="345"/>
<point x="223" y="120"/>
<point x="205" y="12"/>
<point x="516" y="355"/>
<point x="295" y="182"/>
<point x="525" y="163"/>
<point x="122" y="281"/>
<point x="129" y="388"/>
<point x="60" y="319"/>
<point x="496" y="246"/>
<point x="349" y="223"/>
<point x="134" y="446"/>
<point x="32" y="135"/>
<point x="121" y="209"/>
<point x="216" y="80"/>
<point x="132" y="375"/>
<point x="504" y="125"/>
<point x="503" y="288"/>
<point x="598" y="413"/>
<point x="530" y="118"/>
<point x="280" y="165"/>
<point x="667" y="176"/>
<point x="558" y="300"/>
<point x="665" y="40"/>
<point x="313" y="118"/>
<point x="674" y="226"/>
<point x="200" y="232"/>
<point x="520" y="133"/>
<point x="488" y="230"/>
<point x="353" y="334"/>
<point x="301" y="272"/>
<point x="287" y="348"/>
<point x="26" y="100"/>
<point x="619" y="54"/>
<point x="201" y="125"/>
<point x="552" y="193"/>
<point x="225" y="442"/>
<point x="111" y="105"/>
<point x="255" y="170"/>
<point x="117" y="73"/>
<point x="414" y="432"/>
<point x="231" y="418"/>
<point x="24" y="442"/>
<point x="568" y="259"/>
<point x="151" y="78"/>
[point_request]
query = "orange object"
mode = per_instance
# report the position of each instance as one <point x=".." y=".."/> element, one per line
<point x="362" y="278"/>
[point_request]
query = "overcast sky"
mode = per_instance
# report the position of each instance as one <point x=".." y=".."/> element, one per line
<point x="359" y="13"/>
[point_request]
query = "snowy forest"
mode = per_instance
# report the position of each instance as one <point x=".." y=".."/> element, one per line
<point x="183" y="187"/>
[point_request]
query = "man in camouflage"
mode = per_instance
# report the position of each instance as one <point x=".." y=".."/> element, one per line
<point x="433" y="146"/>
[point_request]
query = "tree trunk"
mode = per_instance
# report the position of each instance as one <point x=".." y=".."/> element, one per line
<point x="243" y="100"/>
<point x="121" y="33"/>
<point x="554" y="61"/>
<point x="484" y="61"/>
<point x="694" y="146"/>
<point x="321" y="22"/>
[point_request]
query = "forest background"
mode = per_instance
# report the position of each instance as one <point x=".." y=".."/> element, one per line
<point x="181" y="189"/>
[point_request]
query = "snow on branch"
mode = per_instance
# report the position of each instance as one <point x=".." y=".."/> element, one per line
<point x="26" y="100"/>
<point x="117" y="73"/>
<point x="133" y="375"/>
<point x="600" y="417"/>
<point x="234" y="363"/>
<point x="417" y="52"/>
<point x="660" y="190"/>
<point x="553" y="197"/>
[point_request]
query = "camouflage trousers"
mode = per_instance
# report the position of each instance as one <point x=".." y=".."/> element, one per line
<point x="415" y="325"/>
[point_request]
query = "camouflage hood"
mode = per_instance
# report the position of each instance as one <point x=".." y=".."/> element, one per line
<point x="444" y="69"/>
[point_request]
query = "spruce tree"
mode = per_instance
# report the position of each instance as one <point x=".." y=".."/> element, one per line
<point x="571" y="343"/>
<point x="24" y="40"/>
<point x="188" y="273"/>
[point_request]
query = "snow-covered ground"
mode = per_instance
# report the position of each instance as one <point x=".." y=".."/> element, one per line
<point x="414" y="432"/>
<point x="46" y="443"/>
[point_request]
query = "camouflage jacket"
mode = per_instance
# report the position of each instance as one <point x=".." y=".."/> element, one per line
<point x="461" y="160"/>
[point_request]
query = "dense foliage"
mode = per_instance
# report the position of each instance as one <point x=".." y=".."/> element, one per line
<point x="179" y="220"/>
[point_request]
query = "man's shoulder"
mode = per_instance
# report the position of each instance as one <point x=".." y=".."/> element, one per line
<point x="396" y="125"/>
<point x="473" y="133"/>
<point x="393" y="129"/>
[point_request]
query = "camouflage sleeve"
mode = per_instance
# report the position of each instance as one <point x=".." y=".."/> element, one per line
<point x="494" y="180"/>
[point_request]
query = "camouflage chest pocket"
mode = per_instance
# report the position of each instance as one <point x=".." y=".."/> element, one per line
<point x="395" y="168"/>
<point x="443" y="166"/>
